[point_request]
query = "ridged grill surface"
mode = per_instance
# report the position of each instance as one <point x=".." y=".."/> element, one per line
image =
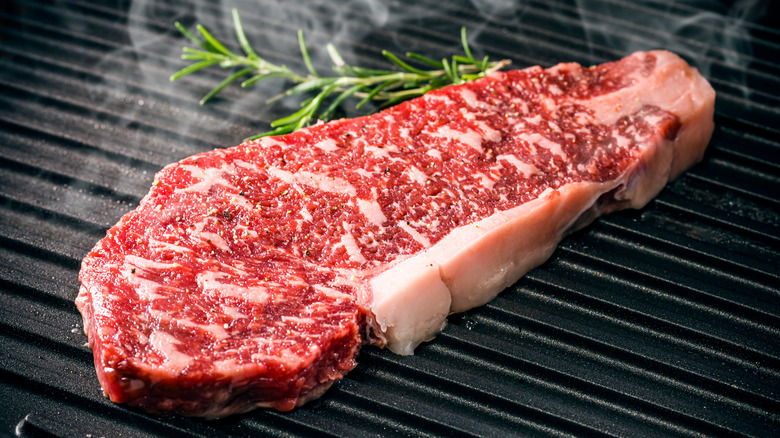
<point x="657" y="322"/>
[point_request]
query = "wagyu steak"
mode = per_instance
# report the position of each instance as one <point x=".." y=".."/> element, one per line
<point x="251" y="276"/>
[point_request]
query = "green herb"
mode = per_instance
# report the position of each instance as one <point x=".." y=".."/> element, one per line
<point x="387" y="87"/>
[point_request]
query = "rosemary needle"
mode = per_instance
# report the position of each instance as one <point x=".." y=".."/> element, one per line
<point x="387" y="87"/>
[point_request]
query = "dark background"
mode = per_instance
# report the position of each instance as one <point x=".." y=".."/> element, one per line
<point x="658" y="322"/>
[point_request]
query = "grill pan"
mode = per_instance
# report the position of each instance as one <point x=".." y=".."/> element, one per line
<point x="658" y="322"/>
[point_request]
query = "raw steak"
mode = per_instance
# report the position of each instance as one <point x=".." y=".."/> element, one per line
<point x="251" y="276"/>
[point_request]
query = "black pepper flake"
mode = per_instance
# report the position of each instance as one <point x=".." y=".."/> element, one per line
<point x="226" y="214"/>
<point x="241" y="193"/>
<point x="387" y="170"/>
<point x="132" y="270"/>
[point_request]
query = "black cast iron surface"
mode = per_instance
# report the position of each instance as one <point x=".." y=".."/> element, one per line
<point x="664" y="321"/>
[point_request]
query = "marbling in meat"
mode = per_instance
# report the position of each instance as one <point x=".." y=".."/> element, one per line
<point x="251" y="276"/>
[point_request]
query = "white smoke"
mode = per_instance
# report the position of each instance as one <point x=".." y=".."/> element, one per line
<point x="591" y="31"/>
<point x="704" y="32"/>
<point x="271" y="27"/>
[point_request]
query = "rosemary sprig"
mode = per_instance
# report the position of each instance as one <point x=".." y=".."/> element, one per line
<point x="385" y="86"/>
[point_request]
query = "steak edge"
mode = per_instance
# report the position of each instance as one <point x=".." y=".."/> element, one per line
<point x="251" y="276"/>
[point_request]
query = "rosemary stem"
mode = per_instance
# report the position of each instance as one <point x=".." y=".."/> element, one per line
<point x="384" y="86"/>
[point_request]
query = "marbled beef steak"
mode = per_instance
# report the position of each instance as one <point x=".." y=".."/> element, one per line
<point x="251" y="276"/>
